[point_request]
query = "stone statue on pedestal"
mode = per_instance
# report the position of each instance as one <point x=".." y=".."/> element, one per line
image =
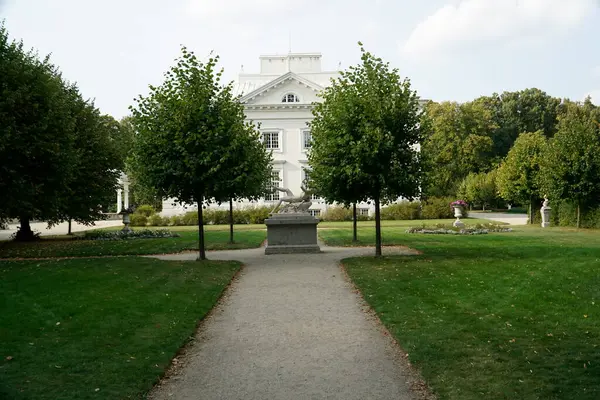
<point x="295" y="204"/>
<point x="545" y="211"/>
<point x="290" y="227"/>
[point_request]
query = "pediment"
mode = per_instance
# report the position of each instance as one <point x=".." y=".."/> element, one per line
<point x="273" y="92"/>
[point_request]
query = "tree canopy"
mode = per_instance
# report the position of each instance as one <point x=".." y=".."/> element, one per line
<point x="192" y="143"/>
<point x="572" y="163"/>
<point x="519" y="175"/>
<point x="52" y="146"/>
<point x="365" y="134"/>
<point x="480" y="188"/>
<point x="456" y="143"/>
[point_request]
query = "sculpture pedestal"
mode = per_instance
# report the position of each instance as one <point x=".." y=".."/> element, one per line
<point x="292" y="233"/>
<point x="545" y="211"/>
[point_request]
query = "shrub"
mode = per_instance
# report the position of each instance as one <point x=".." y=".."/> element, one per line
<point x="402" y="211"/>
<point x="146" y="210"/>
<point x="218" y="217"/>
<point x="190" y="218"/>
<point x="175" y="220"/>
<point x="337" y="214"/>
<point x="138" y="220"/>
<point x="256" y="215"/>
<point x="157" y="220"/>
<point x="439" y="208"/>
<point x="239" y="217"/>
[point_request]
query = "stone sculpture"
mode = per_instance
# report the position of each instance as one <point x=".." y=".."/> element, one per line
<point x="295" y="204"/>
<point x="545" y="211"/>
<point x="290" y="228"/>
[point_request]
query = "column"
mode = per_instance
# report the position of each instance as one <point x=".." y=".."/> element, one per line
<point x="126" y="190"/>
<point x="119" y="200"/>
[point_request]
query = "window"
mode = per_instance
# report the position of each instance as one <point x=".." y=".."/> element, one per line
<point x="290" y="98"/>
<point x="271" y="140"/>
<point x="315" y="213"/>
<point x="306" y="174"/>
<point x="363" y="212"/>
<point x="275" y="182"/>
<point x="306" y="140"/>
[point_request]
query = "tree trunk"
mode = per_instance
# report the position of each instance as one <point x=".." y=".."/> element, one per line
<point x="354" y="233"/>
<point x="24" y="234"/>
<point x="202" y="252"/>
<point x="531" y="210"/>
<point x="231" y="221"/>
<point x="578" y="214"/>
<point x="69" y="231"/>
<point x="377" y="228"/>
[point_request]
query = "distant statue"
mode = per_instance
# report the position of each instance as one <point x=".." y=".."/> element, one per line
<point x="295" y="204"/>
<point x="545" y="202"/>
<point x="545" y="211"/>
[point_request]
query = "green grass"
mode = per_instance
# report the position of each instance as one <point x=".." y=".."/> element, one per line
<point x="67" y="247"/>
<point x="322" y="224"/>
<point x="402" y="223"/>
<point x="498" y="316"/>
<point x="187" y="228"/>
<point x="113" y="324"/>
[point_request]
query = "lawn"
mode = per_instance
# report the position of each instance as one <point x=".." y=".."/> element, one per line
<point x="499" y="316"/>
<point x="188" y="240"/>
<point x="98" y="328"/>
<point x="401" y="223"/>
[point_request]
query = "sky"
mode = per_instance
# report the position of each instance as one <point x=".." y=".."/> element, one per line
<point x="453" y="50"/>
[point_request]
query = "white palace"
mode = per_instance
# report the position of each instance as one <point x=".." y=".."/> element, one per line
<point x="279" y="97"/>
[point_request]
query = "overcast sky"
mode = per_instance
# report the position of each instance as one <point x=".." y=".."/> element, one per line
<point x="450" y="49"/>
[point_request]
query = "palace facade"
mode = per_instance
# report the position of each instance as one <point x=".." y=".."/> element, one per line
<point x="278" y="99"/>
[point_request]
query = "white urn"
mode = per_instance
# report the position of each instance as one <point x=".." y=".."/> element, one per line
<point x="458" y="212"/>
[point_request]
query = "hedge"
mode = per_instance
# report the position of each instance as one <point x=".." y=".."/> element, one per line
<point x="433" y="208"/>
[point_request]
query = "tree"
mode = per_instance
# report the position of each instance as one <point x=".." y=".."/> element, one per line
<point x="456" y="142"/>
<point x="480" y="188"/>
<point x="189" y="133"/>
<point x="56" y="159"/>
<point x="36" y="136"/>
<point x="365" y="133"/>
<point x="96" y="166"/>
<point x="519" y="175"/>
<point x="124" y="135"/>
<point x="249" y="168"/>
<point x="513" y="113"/>
<point x="572" y="165"/>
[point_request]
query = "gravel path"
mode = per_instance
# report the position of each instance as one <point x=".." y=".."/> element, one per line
<point x="291" y="327"/>
<point x="511" y="219"/>
<point x="60" y="229"/>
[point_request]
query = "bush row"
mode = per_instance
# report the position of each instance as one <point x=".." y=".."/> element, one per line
<point x="250" y="215"/>
<point x="434" y="208"/>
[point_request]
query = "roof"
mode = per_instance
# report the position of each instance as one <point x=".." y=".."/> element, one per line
<point x="276" y="82"/>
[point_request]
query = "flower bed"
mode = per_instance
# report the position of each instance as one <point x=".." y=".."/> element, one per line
<point x="440" y="229"/>
<point x="120" y="235"/>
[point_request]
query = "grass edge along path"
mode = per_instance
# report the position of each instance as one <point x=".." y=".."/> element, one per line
<point x="100" y="328"/>
<point x="498" y="316"/>
<point x="188" y="241"/>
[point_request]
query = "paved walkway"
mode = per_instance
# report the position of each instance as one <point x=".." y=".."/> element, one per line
<point x="60" y="229"/>
<point x="511" y="219"/>
<point x="291" y="327"/>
